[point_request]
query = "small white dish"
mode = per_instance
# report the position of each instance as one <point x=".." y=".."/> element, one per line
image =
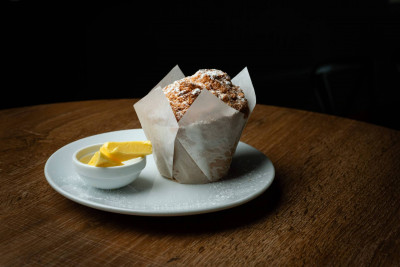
<point x="105" y="177"/>
<point x="151" y="194"/>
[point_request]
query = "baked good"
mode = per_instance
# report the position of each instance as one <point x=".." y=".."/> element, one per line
<point x="195" y="143"/>
<point x="182" y="93"/>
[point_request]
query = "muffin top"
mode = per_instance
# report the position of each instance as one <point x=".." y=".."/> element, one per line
<point x="182" y="93"/>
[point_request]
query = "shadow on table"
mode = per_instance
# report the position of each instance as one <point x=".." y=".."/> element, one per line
<point x="247" y="214"/>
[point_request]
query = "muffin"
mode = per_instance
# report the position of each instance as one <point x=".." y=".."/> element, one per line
<point x="182" y="93"/>
<point x="195" y="122"/>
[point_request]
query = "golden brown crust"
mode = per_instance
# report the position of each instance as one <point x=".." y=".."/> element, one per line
<point x="182" y="93"/>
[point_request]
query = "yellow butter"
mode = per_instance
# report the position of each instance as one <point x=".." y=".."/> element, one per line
<point x="122" y="151"/>
<point x="101" y="160"/>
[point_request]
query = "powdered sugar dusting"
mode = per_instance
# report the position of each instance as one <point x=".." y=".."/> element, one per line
<point x="182" y="93"/>
<point x="196" y="91"/>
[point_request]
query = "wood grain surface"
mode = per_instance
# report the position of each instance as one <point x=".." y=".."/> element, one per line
<point x="335" y="199"/>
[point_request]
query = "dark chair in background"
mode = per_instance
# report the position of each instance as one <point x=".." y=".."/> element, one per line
<point x="344" y="88"/>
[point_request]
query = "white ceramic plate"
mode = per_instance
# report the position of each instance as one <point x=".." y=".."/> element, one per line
<point x="150" y="194"/>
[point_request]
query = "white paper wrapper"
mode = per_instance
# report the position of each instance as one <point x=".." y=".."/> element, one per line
<point x="199" y="148"/>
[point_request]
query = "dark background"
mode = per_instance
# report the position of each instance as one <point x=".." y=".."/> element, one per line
<point x="340" y="58"/>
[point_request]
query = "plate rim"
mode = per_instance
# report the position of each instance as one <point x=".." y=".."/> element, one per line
<point x="163" y="213"/>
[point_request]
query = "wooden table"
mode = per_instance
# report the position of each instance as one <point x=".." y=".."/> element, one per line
<point x="335" y="199"/>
